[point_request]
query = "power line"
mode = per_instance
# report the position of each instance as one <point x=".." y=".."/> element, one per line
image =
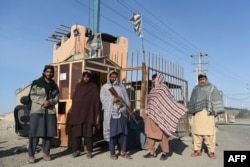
<point x="175" y="40"/>
<point x="227" y="71"/>
<point x="188" y="44"/>
<point x="200" y="63"/>
<point x="154" y="35"/>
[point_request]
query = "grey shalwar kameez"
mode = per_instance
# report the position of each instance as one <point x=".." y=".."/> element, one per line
<point x="43" y="121"/>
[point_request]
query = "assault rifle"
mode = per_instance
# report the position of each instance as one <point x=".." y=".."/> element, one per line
<point x="128" y="109"/>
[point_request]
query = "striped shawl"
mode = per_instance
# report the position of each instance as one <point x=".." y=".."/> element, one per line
<point x="162" y="107"/>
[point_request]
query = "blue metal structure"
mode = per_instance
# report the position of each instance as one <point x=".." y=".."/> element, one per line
<point x="96" y="17"/>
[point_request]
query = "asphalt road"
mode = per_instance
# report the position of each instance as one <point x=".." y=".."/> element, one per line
<point x="233" y="137"/>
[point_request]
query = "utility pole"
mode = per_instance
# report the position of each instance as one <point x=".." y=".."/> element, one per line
<point x="96" y="17"/>
<point x="199" y="64"/>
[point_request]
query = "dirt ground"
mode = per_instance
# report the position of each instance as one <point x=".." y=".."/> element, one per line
<point x="13" y="150"/>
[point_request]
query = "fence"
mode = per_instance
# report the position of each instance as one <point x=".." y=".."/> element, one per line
<point x="138" y="83"/>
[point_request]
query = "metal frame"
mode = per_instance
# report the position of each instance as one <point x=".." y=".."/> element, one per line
<point x="138" y="84"/>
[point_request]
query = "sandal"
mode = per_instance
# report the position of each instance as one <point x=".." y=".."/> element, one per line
<point x="125" y="155"/>
<point x="196" y="154"/>
<point x="89" y="155"/>
<point x="149" y="155"/>
<point x="113" y="157"/>
<point x="31" y="159"/>
<point x="46" y="157"/>
<point x="164" y="157"/>
<point x="211" y="155"/>
<point x="76" y="154"/>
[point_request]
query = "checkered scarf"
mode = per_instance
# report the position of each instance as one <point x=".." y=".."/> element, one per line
<point x="206" y="97"/>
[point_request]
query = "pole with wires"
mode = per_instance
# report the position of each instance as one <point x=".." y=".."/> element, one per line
<point x="143" y="51"/>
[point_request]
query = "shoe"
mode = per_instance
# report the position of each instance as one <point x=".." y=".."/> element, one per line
<point x="125" y="155"/>
<point x="76" y="154"/>
<point x="163" y="157"/>
<point x="89" y="155"/>
<point x="46" y="157"/>
<point x="113" y="157"/>
<point x="149" y="155"/>
<point x="211" y="155"/>
<point x="31" y="159"/>
<point x="196" y="153"/>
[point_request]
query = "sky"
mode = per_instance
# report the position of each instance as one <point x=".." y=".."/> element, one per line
<point x="177" y="30"/>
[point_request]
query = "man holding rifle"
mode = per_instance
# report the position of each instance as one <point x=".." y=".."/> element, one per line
<point x="115" y="103"/>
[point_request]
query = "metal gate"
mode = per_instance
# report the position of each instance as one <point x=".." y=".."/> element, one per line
<point x="138" y="83"/>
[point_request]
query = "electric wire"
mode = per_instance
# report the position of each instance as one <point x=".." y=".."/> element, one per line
<point x="180" y="44"/>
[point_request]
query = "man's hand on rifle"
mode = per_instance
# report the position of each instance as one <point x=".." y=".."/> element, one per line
<point x="46" y="104"/>
<point x="116" y="100"/>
